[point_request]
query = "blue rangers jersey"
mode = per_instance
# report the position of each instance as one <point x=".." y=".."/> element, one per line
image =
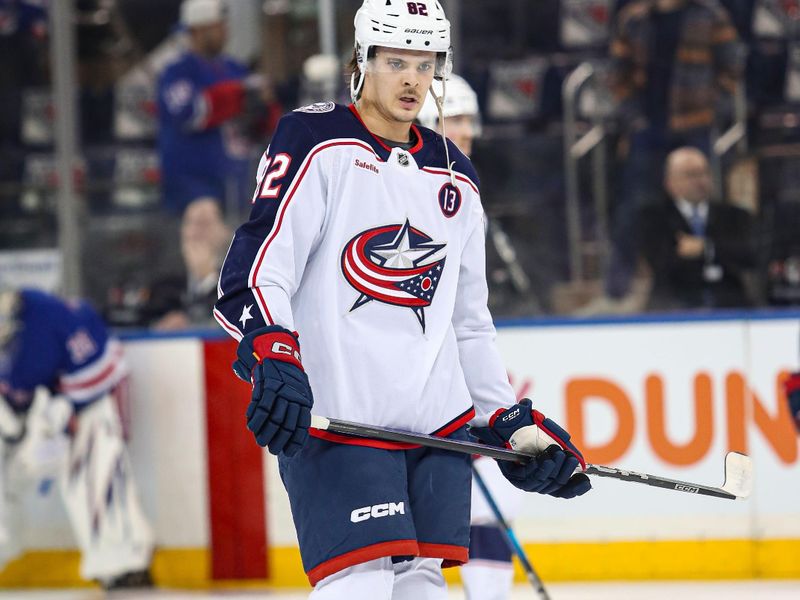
<point x="200" y="147"/>
<point x="62" y="346"/>
<point x="376" y="258"/>
<point x="26" y="16"/>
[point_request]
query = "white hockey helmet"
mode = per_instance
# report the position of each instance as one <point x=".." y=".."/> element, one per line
<point x="403" y="25"/>
<point x="461" y="99"/>
<point x="196" y="13"/>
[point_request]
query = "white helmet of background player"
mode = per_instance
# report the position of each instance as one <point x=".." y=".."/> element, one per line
<point x="461" y="100"/>
<point x="196" y="13"/>
<point x="459" y="107"/>
<point x="402" y="25"/>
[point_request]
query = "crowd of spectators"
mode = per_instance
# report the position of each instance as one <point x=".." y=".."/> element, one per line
<point x="673" y="63"/>
<point x="172" y="126"/>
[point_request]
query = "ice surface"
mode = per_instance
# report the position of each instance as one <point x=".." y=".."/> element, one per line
<point x="729" y="590"/>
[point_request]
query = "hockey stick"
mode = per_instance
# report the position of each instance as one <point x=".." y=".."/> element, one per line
<point x="510" y="538"/>
<point x="738" y="481"/>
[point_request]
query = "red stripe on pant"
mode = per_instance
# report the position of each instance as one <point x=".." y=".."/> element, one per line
<point x="237" y="506"/>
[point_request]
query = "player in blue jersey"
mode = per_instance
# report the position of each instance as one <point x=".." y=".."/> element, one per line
<point x="366" y="242"/>
<point x="61" y="376"/>
<point x="202" y="97"/>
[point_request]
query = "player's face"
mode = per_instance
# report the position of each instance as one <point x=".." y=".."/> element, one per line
<point x="461" y="131"/>
<point x="691" y="179"/>
<point x="203" y="223"/>
<point x="396" y="83"/>
<point x="210" y="39"/>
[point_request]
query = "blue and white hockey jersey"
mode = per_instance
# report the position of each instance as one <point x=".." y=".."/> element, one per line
<point x="62" y="346"/>
<point x="377" y="260"/>
<point x="201" y="149"/>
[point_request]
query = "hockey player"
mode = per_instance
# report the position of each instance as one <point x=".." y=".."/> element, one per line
<point x="366" y="242"/>
<point x="60" y="374"/>
<point x="201" y="99"/>
<point x="489" y="574"/>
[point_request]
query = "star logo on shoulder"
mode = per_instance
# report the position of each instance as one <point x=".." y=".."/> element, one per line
<point x="246" y="316"/>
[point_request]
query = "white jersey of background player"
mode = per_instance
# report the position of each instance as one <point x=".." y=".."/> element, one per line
<point x="61" y="377"/>
<point x="489" y="573"/>
<point x="366" y="242"/>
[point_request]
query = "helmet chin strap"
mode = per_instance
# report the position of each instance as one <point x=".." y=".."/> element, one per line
<point x="355" y="89"/>
<point x="440" y="108"/>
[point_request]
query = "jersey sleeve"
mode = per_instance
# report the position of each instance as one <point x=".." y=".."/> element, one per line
<point x="480" y="360"/>
<point x="269" y="253"/>
<point x="194" y="108"/>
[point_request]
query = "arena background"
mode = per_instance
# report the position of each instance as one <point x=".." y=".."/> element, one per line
<point x="669" y="393"/>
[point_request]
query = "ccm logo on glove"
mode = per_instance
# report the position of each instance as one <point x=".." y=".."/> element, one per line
<point x="281" y="348"/>
<point x="510" y="415"/>
<point x="279" y="413"/>
<point x="279" y="345"/>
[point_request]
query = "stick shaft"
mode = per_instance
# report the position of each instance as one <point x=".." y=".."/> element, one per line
<point x="422" y="439"/>
<point x="510" y="538"/>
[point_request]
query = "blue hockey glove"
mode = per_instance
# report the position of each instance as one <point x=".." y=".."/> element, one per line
<point x="279" y="412"/>
<point x="792" y="387"/>
<point x="552" y="471"/>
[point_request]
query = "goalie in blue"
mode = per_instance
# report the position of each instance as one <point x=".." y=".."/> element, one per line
<point x="61" y="377"/>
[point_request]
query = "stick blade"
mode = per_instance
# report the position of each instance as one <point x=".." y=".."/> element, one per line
<point x="738" y="474"/>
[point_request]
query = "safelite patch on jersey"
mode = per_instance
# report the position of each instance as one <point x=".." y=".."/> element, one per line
<point x="396" y="265"/>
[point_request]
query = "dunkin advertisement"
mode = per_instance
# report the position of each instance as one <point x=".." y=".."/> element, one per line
<point x="668" y="398"/>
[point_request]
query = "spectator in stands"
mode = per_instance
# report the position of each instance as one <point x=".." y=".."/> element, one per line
<point x="23" y="35"/>
<point x="205" y="102"/>
<point x="187" y="300"/>
<point x="673" y="62"/>
<point x="698" y="249"/>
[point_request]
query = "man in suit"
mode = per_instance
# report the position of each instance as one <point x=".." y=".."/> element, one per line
<point x="697" y="249"/>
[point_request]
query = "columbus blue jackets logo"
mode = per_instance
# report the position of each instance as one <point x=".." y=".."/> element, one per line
<point x="317" y="107"/>
<point x="394" y="264"/>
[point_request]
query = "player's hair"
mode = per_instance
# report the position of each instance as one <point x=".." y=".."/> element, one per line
<point x="352" y="68"/>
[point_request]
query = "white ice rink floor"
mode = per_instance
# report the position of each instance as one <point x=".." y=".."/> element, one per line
<point x="735" y="590"/>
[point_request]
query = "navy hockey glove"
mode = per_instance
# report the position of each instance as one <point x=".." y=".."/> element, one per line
<point x="552" y="471"/>
<point x="279" y="412"/>
<point x="792" y="387"/>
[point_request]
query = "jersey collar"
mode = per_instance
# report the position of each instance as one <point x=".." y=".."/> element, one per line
<point x="413" y="150"/>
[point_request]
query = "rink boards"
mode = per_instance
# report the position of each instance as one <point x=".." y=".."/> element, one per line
<point x="669" y="397"/>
